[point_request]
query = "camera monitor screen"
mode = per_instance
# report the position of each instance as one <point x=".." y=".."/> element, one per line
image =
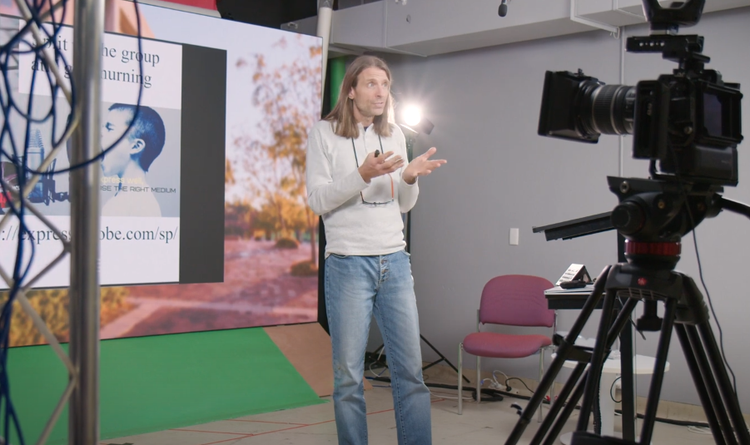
<point x="721" y="113"/>
<point x="712" y="115"/>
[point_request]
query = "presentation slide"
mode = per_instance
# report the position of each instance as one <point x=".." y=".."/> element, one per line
<point x="215" y="233"/>
<point x="140" y="174"/>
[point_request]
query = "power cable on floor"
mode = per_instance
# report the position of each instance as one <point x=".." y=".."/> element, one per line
<point x="494" y="394"/>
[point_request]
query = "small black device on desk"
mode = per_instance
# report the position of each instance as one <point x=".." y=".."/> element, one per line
<point x="573" y="284"/>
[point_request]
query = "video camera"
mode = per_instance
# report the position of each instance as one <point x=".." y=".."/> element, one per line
<point x="689" y="121"/>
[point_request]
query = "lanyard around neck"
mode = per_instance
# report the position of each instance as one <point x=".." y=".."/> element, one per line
<point x="354" y="149"/>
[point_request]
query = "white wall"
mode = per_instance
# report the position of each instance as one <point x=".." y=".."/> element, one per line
<point x="500" y="174"/>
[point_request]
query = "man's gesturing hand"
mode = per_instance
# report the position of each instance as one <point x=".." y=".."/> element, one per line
<point x="421" y="166"/>
<point x="374" y="166"/>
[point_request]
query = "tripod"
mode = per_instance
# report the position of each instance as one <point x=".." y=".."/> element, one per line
<point x="661" y="207"/>
<point x="441" y="359"/>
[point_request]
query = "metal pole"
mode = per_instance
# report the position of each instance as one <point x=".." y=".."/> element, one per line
<point x="83" y="426"/>
<point x="324" y="30"/>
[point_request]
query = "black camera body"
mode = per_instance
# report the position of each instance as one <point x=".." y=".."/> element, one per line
<point x="689" y="121"/>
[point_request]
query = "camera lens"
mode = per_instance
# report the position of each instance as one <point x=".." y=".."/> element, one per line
<point x="608" y="109"/>
<point x="580" y="108"/>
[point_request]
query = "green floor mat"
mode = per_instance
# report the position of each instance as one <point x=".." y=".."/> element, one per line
<point x="156" y="383"/>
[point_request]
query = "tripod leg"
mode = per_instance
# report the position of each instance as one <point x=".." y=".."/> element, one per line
<point x="708" y="393"/>
<point x="627" y="382"/>
<point x="593" y="380"/>
<point x="597" y="361"/>
<point x="556" y="405"/>
<point x="649" y="418"/>
<point x="576" y="381"/>
<point x="725" y="387"/>
<point x="563" y="351"/>
<point x="442" y="358"/>
<point x="622" y="321"/>
<point x="377" y="351"/>
<point x="694" y="301"/>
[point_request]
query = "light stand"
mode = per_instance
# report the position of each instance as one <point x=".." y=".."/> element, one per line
<point x="410" y="134"/>
<point x="410" y="140"/>
<point x="413" y="125"/>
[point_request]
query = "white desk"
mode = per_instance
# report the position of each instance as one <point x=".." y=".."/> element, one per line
<point x="611" y="370"/>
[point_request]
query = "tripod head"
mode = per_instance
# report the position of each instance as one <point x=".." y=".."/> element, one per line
<point x="654" y="215"/>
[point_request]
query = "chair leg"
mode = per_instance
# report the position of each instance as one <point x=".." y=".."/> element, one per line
<point x="460" y="379"/>
<point x="538" y="385"/>
<point x="479" y="379"/>
<point x="551" y="388"/>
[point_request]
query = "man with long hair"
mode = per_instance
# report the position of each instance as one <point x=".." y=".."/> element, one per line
<point x="359" y="180"/>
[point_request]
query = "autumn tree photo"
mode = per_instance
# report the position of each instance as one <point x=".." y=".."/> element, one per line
<point x="289" y="96"/>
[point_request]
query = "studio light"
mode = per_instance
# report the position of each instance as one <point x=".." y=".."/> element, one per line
<point x="411" y="119"/>
<point x="412" y="115"/>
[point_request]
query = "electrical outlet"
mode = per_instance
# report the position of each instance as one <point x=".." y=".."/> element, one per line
<point x="513" y="237"/>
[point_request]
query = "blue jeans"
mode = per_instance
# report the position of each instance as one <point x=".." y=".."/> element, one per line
<point x="355" y="287"/>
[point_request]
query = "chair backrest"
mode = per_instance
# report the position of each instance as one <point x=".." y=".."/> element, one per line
<point x="516" y="300"/>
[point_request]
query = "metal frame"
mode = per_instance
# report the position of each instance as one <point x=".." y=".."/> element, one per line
<point x="82" y="361"/>
<point x="83" y="422"/>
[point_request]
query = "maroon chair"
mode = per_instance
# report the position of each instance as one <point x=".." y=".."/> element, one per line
<point x="510" y="300"/>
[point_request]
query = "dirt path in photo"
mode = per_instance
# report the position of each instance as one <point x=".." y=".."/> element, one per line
<point x="258" y="290"/>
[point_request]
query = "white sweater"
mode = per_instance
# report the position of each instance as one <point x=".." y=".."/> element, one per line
<point x="334" y="185"/>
